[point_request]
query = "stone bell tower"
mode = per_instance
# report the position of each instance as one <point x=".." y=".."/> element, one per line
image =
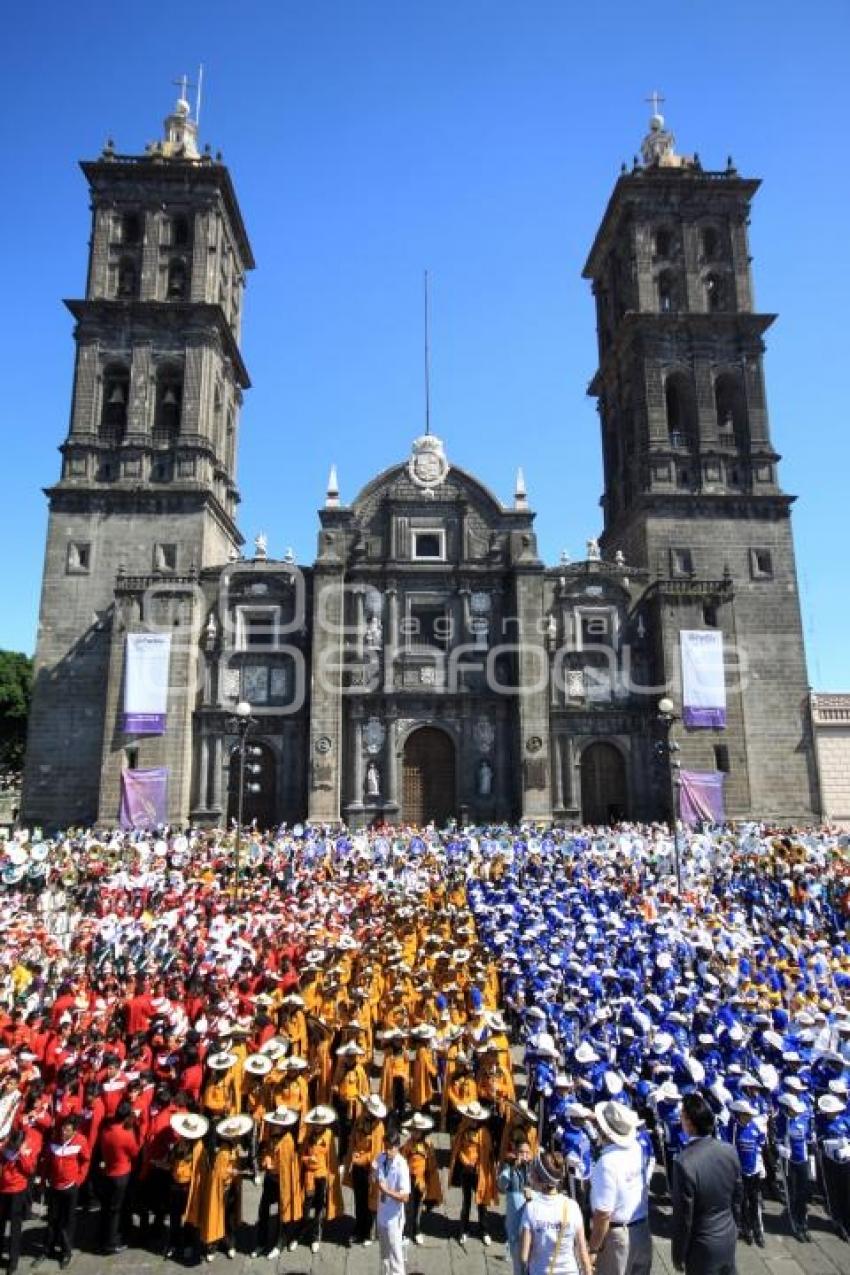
<point x="692" y="490"/>
<point x="148" y="481"/>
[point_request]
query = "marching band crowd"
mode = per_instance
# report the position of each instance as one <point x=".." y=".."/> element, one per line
<point x="168" y="1030"/>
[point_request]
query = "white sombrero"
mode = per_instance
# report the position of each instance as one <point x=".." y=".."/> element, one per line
<point x="282" y="1117"/>
<point x="222" y="1061"/>
<point x="257" y="1064"/>
<point x="234" y="1126"/>
<point x="373" y="1104"/>
<point x="474" y="1111"/>
<point x="419" y="1122"/>
<point x="320" y="1116"/>
<point x="188" y="1125"/>
<point x="275" y="1047"/>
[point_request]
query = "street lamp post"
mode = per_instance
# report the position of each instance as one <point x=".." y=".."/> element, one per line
<point x="242" y="723"/>
<point x="665" y="750"/>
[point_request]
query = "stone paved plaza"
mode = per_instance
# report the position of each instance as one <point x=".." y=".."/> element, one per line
<point x="441" y="1254"/>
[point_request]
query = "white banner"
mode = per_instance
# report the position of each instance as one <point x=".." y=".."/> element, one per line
<point x="703" y="678"/>
<point x="146" y="683"/>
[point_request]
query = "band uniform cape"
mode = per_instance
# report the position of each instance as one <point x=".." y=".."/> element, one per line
<point x="281" y="1158"/>
<point x="424" y="1076"/>
<point x="472" y="1147"/>
<point x="364" y="1147"/>
<point x="205" y="1206"/>
<point x="318" y="1160"/>
<point x="706" y="1193"/>
<point x="424" y="1174"/>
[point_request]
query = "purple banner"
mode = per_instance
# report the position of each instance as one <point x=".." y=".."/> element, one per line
<point x="701" y="796"/>
<point x="714" y="718"/>
<point x="144" y="798"/>
<point x="144" y="723"/>
<point x="146" y="683"/>
<point x="703" y="679"/>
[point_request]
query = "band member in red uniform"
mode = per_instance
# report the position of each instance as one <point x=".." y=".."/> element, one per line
<point x="66" y="1166"/>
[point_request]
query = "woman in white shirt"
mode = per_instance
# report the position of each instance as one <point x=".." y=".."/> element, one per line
<point x="552" y="1238"/>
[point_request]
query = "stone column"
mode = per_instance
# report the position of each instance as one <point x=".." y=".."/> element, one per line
<point x="533" y="707"/>
<point x="215" y="802"/>
<point x="392" y="796"/>
<point x="359" y="620"/>
<point x="558" y="772"/>
<point x="202" y="790"/>
<point x="326" y="743"/>
<point x="465" y="635"/>
<point x="357" y="764"/>
<point x="391" y="637"/>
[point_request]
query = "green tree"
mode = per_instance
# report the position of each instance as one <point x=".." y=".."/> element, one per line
<point x="15" y="695"/>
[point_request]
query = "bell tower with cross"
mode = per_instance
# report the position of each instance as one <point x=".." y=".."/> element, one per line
<point x="691" y="476"/>
<point x="147" y="487"/>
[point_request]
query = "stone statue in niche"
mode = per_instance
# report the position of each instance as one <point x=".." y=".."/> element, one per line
<point x="374" y="633"/>
<point x="485" y="778"/>
<point x="373" y="780"/>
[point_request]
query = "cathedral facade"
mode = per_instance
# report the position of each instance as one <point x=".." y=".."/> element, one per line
<point x="428" y="664"/>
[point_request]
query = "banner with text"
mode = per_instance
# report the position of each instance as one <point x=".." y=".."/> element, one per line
<point x="144" y="799"/>
<point x="701" y="796"/>
<point x="146" y="683"/>
<point x="703" y="678"/>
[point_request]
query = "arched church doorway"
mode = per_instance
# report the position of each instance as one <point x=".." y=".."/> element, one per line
<point x="428" y="777"/>
<point x="258" y="807"/>
<point x="604" y="796"/>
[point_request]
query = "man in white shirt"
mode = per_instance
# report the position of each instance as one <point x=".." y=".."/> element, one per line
<point x="620" y="1241"/>
<point x="392" y="1175"/>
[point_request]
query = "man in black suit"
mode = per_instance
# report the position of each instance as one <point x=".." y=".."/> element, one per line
<point x="706" y="1196"/>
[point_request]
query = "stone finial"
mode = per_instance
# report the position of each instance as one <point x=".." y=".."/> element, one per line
<point x="332" y="493"/>
<point x="520" y="491"/>
<point x="261" y="546"/>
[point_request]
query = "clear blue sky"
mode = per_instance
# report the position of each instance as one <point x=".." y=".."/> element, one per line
<point x="479" y="138"/>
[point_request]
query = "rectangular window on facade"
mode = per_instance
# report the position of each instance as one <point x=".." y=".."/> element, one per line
<point x="262" y="684"/>
<point x="594" y="627"/>
<point x="165" y="557"/>
<point x="430" y="545"/>
<point x="428" y="623"/>
<point x="721" y="758"/>
<point x="131" y="758"/>
<point x="79" y="558"/>
<point x="681" y="562"/>
<point x="709" y="615"/>
<point x="257" y="627"/>
<point x="255" y="683"/>
<point x="761" y="564"/>
<point x="278" y="683"/>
